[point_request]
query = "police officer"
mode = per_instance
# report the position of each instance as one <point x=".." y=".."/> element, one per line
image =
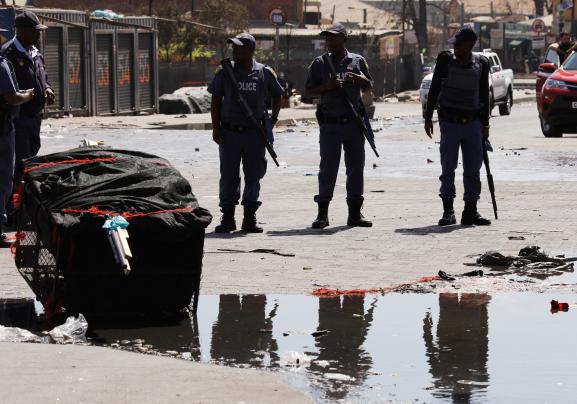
<point x="238" y="140"/>
<point x="460" y="92"/>
<point x="337" y="128"/>
<point x="10" y="97"/>
<point x="30" y="70"/>
<point x="564" y="47"/>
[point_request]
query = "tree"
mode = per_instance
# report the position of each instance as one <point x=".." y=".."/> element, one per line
<point x="418" y="21"/>
<point x="230" y="17"/>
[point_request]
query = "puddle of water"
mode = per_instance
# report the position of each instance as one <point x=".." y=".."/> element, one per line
<point x="399" y="347"/>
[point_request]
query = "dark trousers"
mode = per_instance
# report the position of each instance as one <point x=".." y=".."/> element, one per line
<point x="6" y="166"/>
<point x="27" y="136"/>
<point x="249" y="149"/>
<point x="333" y="138"/>
<point x="469" y="139"/>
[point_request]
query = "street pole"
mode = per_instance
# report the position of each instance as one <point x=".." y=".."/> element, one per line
<point x="403" y="16"/>
<point x="276" y="48"/>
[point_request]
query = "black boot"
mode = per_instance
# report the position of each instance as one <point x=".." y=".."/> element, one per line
<point x="448" y="213"/>
<point x="356" y="218"/>
<point x="471" y="217"/>
<point x="249" y="222"/>
<point x="4" y="243"/>
<point x="322" y="219"/>
<point x="227" y="222"/>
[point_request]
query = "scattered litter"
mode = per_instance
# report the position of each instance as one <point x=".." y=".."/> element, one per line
<point x="319" y="333"/>
<point x="91" y="143"/>
<point x="429" y="161"/>
<point x="196" y="149"/>
<point x="516" y="238"/>
<point x="374" y="166"/>
<point x="307" y="268"/>
<point x="293" y="358"/>
<point x="378" y="191"/>
<point x="311" y="174"/>
<point x="339" y="377"/>
<point x="444" y="276"/>
<point x="531" y="261"/>
<point x="326" y="292"/>
<point x="181" y="116"/>
<point x="257" y="251"/>
<point x="14" y="334"/>
<point x="73" y="330"/>
<point x="557" y="306"/>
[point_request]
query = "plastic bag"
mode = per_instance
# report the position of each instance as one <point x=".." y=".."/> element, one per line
<point x="73" y="330"/>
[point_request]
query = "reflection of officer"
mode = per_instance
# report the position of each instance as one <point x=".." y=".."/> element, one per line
<point x="237" y="335"/>
<point x="564" y="47"/>
<point x="31" y="73"/>
<point x="460" y="352"/>
<point x="460" y="90"/>
<point x="9" y="98"/>
<point x="238" y="140"/>
<point x="337" y="127"/>
<point x="347" y="326"/>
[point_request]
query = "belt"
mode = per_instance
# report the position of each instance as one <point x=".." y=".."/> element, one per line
<point x="339" y="120"/>
<point x="237" y="128"/>
<point x="463" y="120"/>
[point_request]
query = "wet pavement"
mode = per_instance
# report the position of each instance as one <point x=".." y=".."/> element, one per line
<point x="448" y="347"/>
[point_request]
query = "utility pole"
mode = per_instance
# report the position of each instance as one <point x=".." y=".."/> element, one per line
<point x="403" y="17"/>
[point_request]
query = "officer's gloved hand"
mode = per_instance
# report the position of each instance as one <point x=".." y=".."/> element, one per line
<point x="50" y="96"/>
<point x="217" y="135"/>
<point x="429" y="128"/>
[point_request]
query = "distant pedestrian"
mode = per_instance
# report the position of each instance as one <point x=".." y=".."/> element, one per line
<point x="10" y="98"/>
<point x="460" y="92"/>
<point x="338" y="130"/>
<point x="564" y="46"/>
<point x="238" y="139"/>
<point x="30" y="70"/>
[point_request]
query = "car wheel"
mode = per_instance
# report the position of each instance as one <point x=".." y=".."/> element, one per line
<point x="505" y="109"/>
<point x="548" y="129"/>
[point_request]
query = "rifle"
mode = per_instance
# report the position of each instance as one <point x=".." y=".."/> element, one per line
<point x="362" y="123"/>
<point x="486" y="147"/>
<point x="227" y="67"/>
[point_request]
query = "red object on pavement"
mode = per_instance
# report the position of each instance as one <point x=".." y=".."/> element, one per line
<point x="556" y="306"/>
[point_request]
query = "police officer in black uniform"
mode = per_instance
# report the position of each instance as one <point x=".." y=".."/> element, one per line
<point x="238" y="140"/>
<point x="460" y="92"/>
<point x="30" y="70"/>
<point x="10" y="98"/>
<point x="338" y="130"/>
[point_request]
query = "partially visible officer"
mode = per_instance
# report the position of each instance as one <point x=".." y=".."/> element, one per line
<point x="236" y="136"/>
<point x="10" y="98"/>
<point x="460" y="91"/>
<point x="30" y="70"/>
<point x="337" y="127"/>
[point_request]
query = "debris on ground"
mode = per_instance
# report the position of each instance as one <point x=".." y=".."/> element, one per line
<point x="319" y="333"/>
<point x="293" y="358"/>
<point x="257" y="251"/>
<point x="531" y="261"/>
<point x="446" y="277"/>
<point x="557" y="306"/>
<point x="15" y="334"/>
<point x="72" y="331"/>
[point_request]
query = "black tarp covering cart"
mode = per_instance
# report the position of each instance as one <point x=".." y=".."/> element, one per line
<point x="64" y="253"/>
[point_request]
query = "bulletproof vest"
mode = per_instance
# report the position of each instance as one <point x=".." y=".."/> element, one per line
<point x="253" y="90"/>
<point x="460" y="89"/>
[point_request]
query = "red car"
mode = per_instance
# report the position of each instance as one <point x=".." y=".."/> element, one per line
<point x="557" y="95"/>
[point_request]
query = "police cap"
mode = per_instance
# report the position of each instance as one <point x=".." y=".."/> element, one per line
<point x="30" y="20"/>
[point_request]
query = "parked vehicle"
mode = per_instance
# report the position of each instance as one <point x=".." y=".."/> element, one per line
<point x="501" y="84"/>
<point x="556" y="92"/>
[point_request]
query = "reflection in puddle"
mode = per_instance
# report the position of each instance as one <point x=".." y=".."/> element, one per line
<point x="444" y="347"/>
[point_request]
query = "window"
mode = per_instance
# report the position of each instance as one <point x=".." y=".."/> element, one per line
<point x="552" y="57"/>
<point x="571" y="62"/>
